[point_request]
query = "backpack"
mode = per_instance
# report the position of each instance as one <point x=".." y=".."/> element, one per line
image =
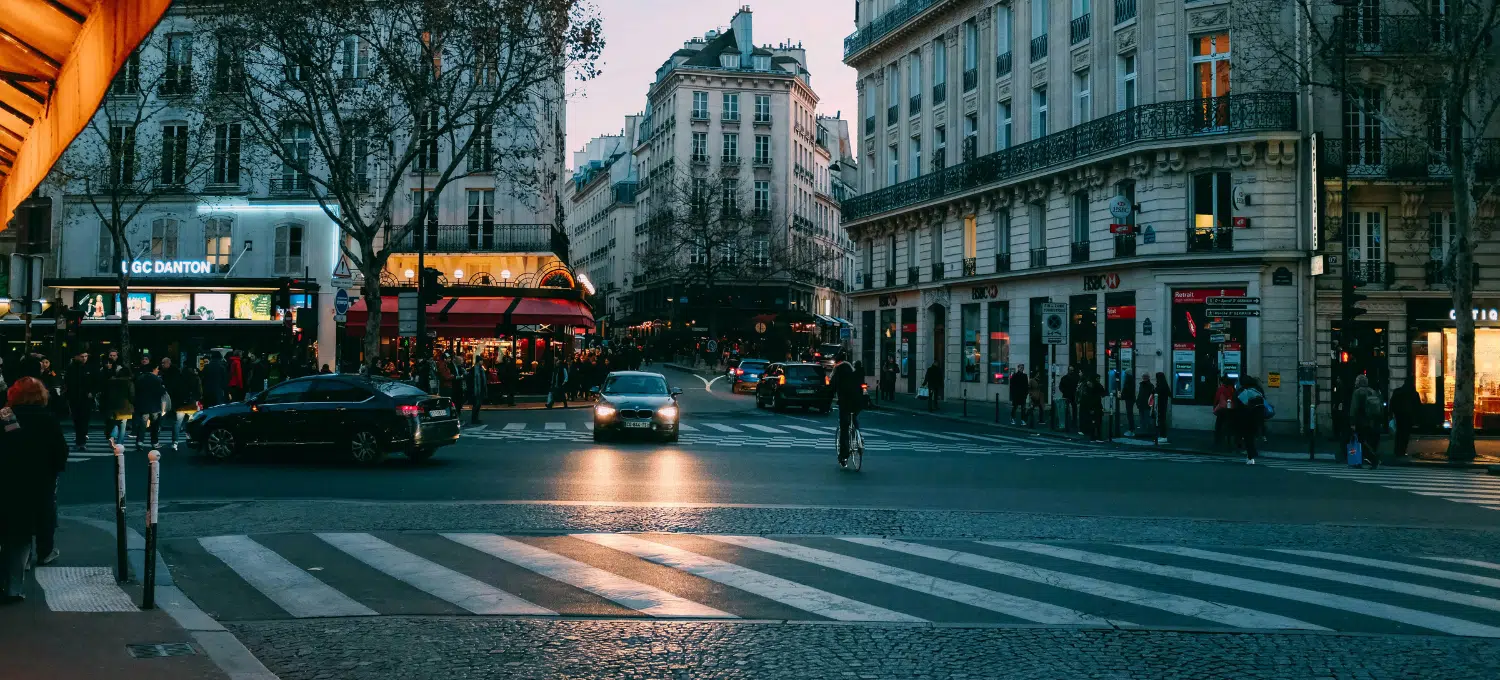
<point x="1267" y="411"/>
<point x="1374" y="408"/>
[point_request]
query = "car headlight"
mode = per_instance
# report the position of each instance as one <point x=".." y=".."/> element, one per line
<point x="668" y="412"/>
<point x="604" y="411"/>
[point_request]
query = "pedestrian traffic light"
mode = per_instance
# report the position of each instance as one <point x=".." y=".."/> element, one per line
<point x="284" y="295"/>
<point x="433" y="289"/>
<point x="1352" y="298"/>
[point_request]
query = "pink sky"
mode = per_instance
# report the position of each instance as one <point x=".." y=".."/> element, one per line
<point x="641" y="34"/>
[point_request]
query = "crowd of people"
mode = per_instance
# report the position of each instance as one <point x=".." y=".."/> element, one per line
<point x="474" y="380"/>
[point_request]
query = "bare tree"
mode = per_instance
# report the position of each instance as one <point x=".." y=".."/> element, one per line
<point x="142" y="146"/>
<point x="351" y="97"/>
<point x="1429" y="71"/>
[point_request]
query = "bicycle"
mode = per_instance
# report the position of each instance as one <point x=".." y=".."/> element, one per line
<point x="856" y="458"/>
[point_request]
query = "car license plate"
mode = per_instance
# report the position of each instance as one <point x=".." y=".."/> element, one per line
<point x="641" y="425"/>
<point x="806" y="391"/>
<point x="438" y="413"/>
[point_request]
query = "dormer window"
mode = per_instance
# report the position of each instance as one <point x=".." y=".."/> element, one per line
<point x="729" y="60"/>
<point x="762" y="62"/>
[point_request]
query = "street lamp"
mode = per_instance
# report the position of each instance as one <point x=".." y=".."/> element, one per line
<point x="1344" y="377"/>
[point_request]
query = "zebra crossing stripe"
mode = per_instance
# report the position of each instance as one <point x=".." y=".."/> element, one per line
<point x="686" y="428"/>
<point x="554" y="426"/>
<point x="294" y="590"/>
<point x="809" y="430"/>
<point x="790" y="593"/>
<point x="884" y="433"/>
<point x="1364" y="580"/>
<point x="623" y="591"/>
<point x="763" y="428"/>
<point x="589" y="426"/>
<point x="430" y="577"/>
<point x="1420" y="619"/>
<point x="936" y="435"/>
<point x="1476" y="499"/>
<point x="1010" y="605"/>
<point x="514" y="426"/>
<point x="1467" y="562"/>
<point x="1397" y="566"/>
<point x="722" y="428"/>
<point x="999" y="439"/>
<point x="1229" y="615"/>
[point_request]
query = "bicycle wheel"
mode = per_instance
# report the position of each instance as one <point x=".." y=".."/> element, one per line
<point x="856" y="451"/>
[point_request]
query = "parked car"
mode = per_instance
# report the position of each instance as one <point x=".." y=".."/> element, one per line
<point x="746" y="376"/>
<point x="367" y="417"/>
<point x="636" y="402"/>
<point x="795" y="384"/>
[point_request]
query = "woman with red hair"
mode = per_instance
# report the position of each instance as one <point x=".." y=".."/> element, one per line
<point x="33" y="452"/>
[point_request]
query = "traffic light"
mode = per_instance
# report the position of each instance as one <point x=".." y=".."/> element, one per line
<point x="1352" y="298"/>
<point x="284" y="295"/>
<point x="433" y="289"/>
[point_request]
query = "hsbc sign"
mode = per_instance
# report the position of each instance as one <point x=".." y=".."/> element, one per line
<point x="984" y="292"/>
<point x="1109" y="281"/>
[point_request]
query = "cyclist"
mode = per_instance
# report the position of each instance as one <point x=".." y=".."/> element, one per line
<point x="846" y="387"/>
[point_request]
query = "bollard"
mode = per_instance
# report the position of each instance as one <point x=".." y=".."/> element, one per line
<point x="964" y="395"/>
<point x="997" y="408"/>
<point x="148" y="597"/>
<point x="122" y="566"/>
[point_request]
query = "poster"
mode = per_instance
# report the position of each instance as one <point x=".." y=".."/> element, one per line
<point x="212" y="306"/>
<point x="905" y="367"/>
<point x="95" y="305"/>
<point x="252" y="306"/>
<point x="173" y="306"/>
<point x="140" y="306"/>
<point x="1184" y="364"/>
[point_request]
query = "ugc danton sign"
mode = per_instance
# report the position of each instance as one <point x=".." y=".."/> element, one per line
<point x="167" y="267"/>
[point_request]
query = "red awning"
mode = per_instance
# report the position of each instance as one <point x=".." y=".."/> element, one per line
<point x="569" y="313"/>
<point x="475" y="316"/>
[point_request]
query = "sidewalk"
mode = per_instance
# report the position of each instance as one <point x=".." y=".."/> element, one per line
<point x="78" y="624"/>
<point x="1423" y="450"/>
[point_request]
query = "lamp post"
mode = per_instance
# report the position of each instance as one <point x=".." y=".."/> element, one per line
<point x="1344" y="377"/>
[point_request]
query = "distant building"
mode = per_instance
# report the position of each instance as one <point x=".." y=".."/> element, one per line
<point x="599" y="203"/>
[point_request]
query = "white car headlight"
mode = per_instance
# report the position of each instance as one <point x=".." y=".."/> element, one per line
<point x="668" y="412"/>
<point x="604" y="410"/>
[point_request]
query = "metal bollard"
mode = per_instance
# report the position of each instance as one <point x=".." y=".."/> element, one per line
<point x="997" y="409"/>
<point x="122" y="566"/>
<point x="148" y="597"/>
<point x="964" y="395"/>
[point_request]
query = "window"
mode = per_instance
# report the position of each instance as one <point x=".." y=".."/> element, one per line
<point x="700" y="105"/>
<point x="731" y="146"/>
<point x="914" y="159"/>
<point x="288" y="393"/>
<point x="699" y="195"/>
<point x="427" y="153"/>
<point x="762" y="198"/>
<point x="1366" y="239"/>
<point x="731" y="106"/>
<point x="999" y="340"/>
<point x="105" y="264"/>
<point x="1212" y="218"/>
<point x="1082" y="103"/>
<point x="935" y="243"/>
<point x="293" y="69"/>
<point x="174" y="143"/>
<point x="969" y="318"/>
<point x="914" y="80"/>
<point x="1002" y="233"/>
<point x="1081" y="217"/>
<point x="892" y="93"/>
<point x="1039" y="112"/>
<point x="697" y="255"/>
<point x="1003" y="30"/>
<point x="1363" y="125"/>
<point x="229" y="64"/>
<point x="893" y="176"/>
<point x="890" y="255"/>
<point x="971" y="136"/>
<point x="1036" y="221"/>
<point x="939" y="148"/>
<point x="425" y="203"/>
<point x="288" y="249"/>
<point x="939" y="64"/>
<point x="127" y="80"/>
<point x="178" y="78"/>
<point x="700" y="147"/>
<point x="1210" y="62"/>
<point x="121" y="154"/>
<point x="868" y="260"/>
<point x="911" y="251"/>
<point x="226" y="160"/>
<point x="482" y="151"/>
<point x="1002" y="125"/>
<point x="761" y="253"/>
<point x="971" y="55"/>
<point x="762" y="108"/>
<point x="354" y="60"/>
<point x="164" y="238"/>
<point x="1039" y="12"/>
<point x="481" y="219"/>
<point x="1127" y="94"/>
<point x="971" y="237"/>
<point x="336" y="392"/>
<point x="761" y="62"/>
<point x="218" y="244"/>
<point x="296" y="147"/>
<point x="762" y="148"/>
<point x="728" y="197"/>
<point x="1442" y="234"/>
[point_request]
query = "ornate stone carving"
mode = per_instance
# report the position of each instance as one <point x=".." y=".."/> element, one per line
<point x="1168" y="161"/>
<point x="984" y="18"/>
<point x="1036" y="192"/>
<point x="1281" y="152"/>
<point x="1486" y="213"/>
<point x="1125" y="39"/>
<point x="1208" y="17"/>
<point x="951" y="35"/>
<point x="1139" y="167"/>
<point x="1411" y="209"/>
<point x="1240" y="155"/>
<point x="1080" y="59"/>
<point x="1333" y="212"/>
<point x="1003" y="92"/>
<point x="1039" y="75"/>
<point x="1000" y="200"/>
<point x="935" y="296"/>
<point x="1092" y="178"/>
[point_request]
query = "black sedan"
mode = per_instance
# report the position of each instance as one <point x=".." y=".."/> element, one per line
<point x="365" y="417"/>
<point x="795" y="384"/>
<point x="636" y="402"/>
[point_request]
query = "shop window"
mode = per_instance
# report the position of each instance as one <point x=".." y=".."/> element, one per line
<point x="95" y="305"/>
<point x="999" y="339"/>
<point x="970" y="327"/>
<point x="1119" y="338"/>
<point x="1434" y="354"/>
<point x="211" y="306"/>
<point x="174" y="306"/>
<point x="288" y="249"/>
<point x="252" y="306"/>
<point x="139" y="305"/>
<point x="1083" y="333"/>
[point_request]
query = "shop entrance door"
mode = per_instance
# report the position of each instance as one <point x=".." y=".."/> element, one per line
<point x="937" y="316"/>
<point x="906" y="355"/>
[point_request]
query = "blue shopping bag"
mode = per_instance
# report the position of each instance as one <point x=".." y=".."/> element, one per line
<point x="1356" y="452"/>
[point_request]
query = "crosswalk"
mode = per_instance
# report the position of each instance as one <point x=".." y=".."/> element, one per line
<point x="852" y="579"/>
<point x="1472" y="487"/>
<point x="98" y="447"/>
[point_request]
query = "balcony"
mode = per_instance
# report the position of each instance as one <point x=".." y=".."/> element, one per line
<point x="971" y="266"/>
<point x="1038" y="257"/>
<point x="1124" y="11"/>
<point x="700" y="115"/>
<point x="1173" y="120"/>
<point x="890" y="278"/>
<point x="1080" y="28"/>
<point x="728" y="161"/>
<point x="700" y="159"/>
<point x="287" y="185"/>
<point x="1438" y="274"/>
<point x="971" y="79"/>
<point x="869" y="125"/>
<point x="1402" y="158"/>
<point x="913" y="275"/>
<point x="884" y="24"/>
<point x="939" y="93"/>
<point x="915" y="106"/>
<point x="484" y="238"/>
<point x="1002" y="65"/>
<point x="762" y="161"/>
<point x="1372" y="273"/>
<point x="1210" y="240"/>
<point x="1124" y="245"/>
<point x="1392" y="34"/>
<point x="1039" y="48"/>
<point x="730" y="117"/>
<point x="867" y="282"/>
<point x="1002" y="262"/>
<point x="1078" y="251"/>
<point x="937" y="271"/>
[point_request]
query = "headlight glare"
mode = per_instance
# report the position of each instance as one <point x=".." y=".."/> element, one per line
<point x="604" y="411"/>
<point x="668" y="412"/>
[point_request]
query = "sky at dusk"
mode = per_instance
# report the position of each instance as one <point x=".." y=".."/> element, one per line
<point x="640" y="35"/>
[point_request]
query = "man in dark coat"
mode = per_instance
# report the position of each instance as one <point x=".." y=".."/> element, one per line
<point x="149" y="393"/>
<point x="215" y="381"/>
<point x="33" y="452"/>
<point x="933" y="381"/>
<point x="1069" y="387"/>
<point x="1404" y="406"/>
<point x="78" y="388"/>
<point x="1020" y="388"/>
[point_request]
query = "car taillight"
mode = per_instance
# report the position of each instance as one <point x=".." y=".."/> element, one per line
<point x="781" y="380"/>
<point x="739" y="371"/>
<point x="410" y="410"/>
<point x="864" y="387"/>
<point x="827" y="379"/>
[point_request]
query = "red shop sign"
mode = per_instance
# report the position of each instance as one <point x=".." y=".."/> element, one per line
<point x="909" y="328"/>
<point x="1198" y="296"/>
<point x="1182" y="345"/>
<point x="1119" y="311"/>
<point x="1232" y="346"/>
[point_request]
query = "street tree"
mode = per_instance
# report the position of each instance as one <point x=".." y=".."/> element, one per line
<point x="1428" y="72"/>
<point x="349" y="99"/>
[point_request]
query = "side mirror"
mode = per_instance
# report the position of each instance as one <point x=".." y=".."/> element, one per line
<point x="676" y="391"/>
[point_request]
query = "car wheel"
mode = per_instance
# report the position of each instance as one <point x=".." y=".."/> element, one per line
<point x="221" y="444"/>
<point x="364" y="448"/>
<point x="777" y="403"/>
<point x="671" y="438"/>
<point x="420" y="454"/>
<point x="759" y="403"/>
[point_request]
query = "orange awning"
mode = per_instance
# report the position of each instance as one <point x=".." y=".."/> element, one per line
<point x="477" y="316"/>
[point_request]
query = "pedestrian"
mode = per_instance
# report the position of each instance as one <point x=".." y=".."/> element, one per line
<point x="478" y="385"/>
<point x="1020" y="389"/>
<point x="259" y="374"/>
<point x="33" y="453"/>
<point x="1162" y="400"/>
<point x="509" y="375"/>
<point x="78" y="387"/>
<point x="888" y="379"/>
<point x="215" y="380"/>
<point x="458" y="384"/>
<point x="118" y="399"/>
<point x="185" y="391"/>
<point x="150" y="403"/>
<point x="1405" y="402"/>
<point x="235" y="377"/>
<point x="1246" y="413"/>
<point x="557" y="382"/>
<point x="933" y="381"/>
<point x="1038" y="383"/>
<point x="1367" y="417"/>
<point x="1226" y="430"/>
<point x="1143" y="402"/>
<point x="1069" y="388"/>
<point x="1089" y="401"/>
<point x="1127" y="400"/>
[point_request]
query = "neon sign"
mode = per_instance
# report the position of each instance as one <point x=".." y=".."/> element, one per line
<point x="167" y="267"/>
<point x="1491" y="314"/>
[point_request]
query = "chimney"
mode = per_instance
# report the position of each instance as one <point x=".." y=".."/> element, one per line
<point x="744" y="35"/>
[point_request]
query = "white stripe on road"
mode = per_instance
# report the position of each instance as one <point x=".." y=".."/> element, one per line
<point x="764" y="428"/>
<point x="1380" y="610"/>
<point x="554" y="426"/>
<point x="686" y="428"/>
<point x="1398" y="566"/>
<point x="883" y="433"/>
<point x="72" y="459"/>
<point x="1463" y="498"/>
<point x="280" y="581"/>
<point x="514" y="426"/>
<point x="1363" y="580"/>
<point x="430" y="577"/>
<point x="786" y="592"/>
<point x="998" y="439"/>
<point x="1230" y="615"/>
<point x="722" y="428"/>
<point x="1472" y="563"/>
<point x="808" y="430"/>
<point x="1010" y="605"/>
<point x="589" y="426"/>
<point x="948" y="437"/>
<point x="626" y="592"/>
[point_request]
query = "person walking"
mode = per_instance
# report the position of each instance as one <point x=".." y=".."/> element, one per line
<point x="1366" y="418"/>
<point x="1069" y="388"/>
<point x="559" y="381"/>
<point x="933" y="381"/>
<point x="33" y="453"/>
<point x="1143" y="394"/>
<point x="215" y="380"/>
<point x="1020" y="389"/>
<point x="150" y="404"/>
<point x="1226" y="430"/>
<point x="1127" y="401"/>
<point x="888" y="380"/>
<point x="478" y="386"/>
<point x="185" y="391"/>
<point x="1405" y="402"/>
<point x="1162" y="399"/>
<point x="1090" y="400"/>
<point x="235" y="377"/>
<point x="509" y="375"/>
<point x="78" y="387"/>
<point x="1246" y="414"/>
<point x="118" y="399"/>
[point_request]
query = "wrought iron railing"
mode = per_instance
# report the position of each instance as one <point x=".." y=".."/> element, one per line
<point x="1403" y="158"/>
<point x="939" y="93"/>
<point x="1002" y="262"/>
<point x="1124" y="11"/>
<point x="1441" y="274"/>
<point x="1002" y="64"/>
<point x="891" y="114"/>
<point x="1078" y="251"/>
<point x="1124" y="245"/>
<point x="1369" y="272"/>
<point x="1038" y="257"/>
<point x="1039" y="47"/>
<point x="916" y="104"/>
<point x="1079" y="29"/>
<point x="1392" y="34"/>
<point x="287" y="185"/>
<point x="937" y="271"/>
<point x="1264" y="111"/>
<point x="884" y="24"/>
<point x="971" y="79"/>
<point x="482" y="238"/>
<point x="1210" y="240"/>
<point x="971" y="266"/>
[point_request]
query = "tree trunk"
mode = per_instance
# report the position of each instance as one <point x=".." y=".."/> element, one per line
<point x="123" y="309"/>
<point x="371" y="293"/>
<point x="1461" y="437"/>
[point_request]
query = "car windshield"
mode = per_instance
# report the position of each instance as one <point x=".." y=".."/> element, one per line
<point x="396" y="388"/>
<point x="753" y="365"/>
<point x="635" y="384"/>
<point x="804" y="371"/>
<point x="828" y="350"/>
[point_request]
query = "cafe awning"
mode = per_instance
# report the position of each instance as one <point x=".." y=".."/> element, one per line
<point x="478" y="316"/>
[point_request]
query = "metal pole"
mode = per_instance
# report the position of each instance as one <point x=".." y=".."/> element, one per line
<point x="997" y="408"/>
<point x="1312" y="420"/>
<point x="148" y="596"/>
<point x="122" y="567"/>
<point x="1052" y="385"/>
<point x="421" y="340"/>
<point x="964" y="396"/>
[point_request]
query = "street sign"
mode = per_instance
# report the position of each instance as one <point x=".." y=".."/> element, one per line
<point x="341" y="270"/>
<point x="340" y="318"/>
<point x="1054" y="323"/>
<point x="1119" y="207"/>
<point x="341" y="284"/>
<point x="1150" y="235"/>
<point x="341" y="302"/>
<point x="406" y="314"/>
<point x="1122" y="229"/>
<point x="1218" y="338"/>
<point x="1224" y="301"/>
<point x="1232" y="313"/>
<point x="1307" y="373"/>
<point x="713" y="345"/>
<point x="1217" y="326"/>
<point x="1273" y="379"/>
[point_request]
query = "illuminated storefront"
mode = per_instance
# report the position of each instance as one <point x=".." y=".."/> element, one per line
<point x="1434" y="352"/>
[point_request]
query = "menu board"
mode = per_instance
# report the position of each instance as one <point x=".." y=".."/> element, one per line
<point x="174" y="306"/>
<point x="212" y="306"/>
<point x="139" y="306"/>
<point x="252" y="306"/>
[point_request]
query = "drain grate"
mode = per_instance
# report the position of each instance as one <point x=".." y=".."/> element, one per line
<point x="159" y="650"/>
